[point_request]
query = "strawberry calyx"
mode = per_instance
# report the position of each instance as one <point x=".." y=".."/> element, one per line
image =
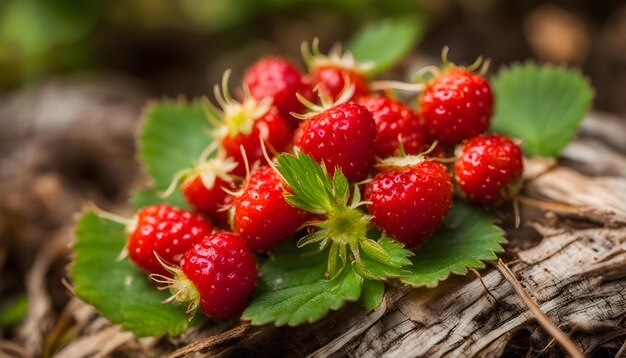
<point x="208" y="168"/>
<point x="182" y="288"/>
<point x="404" y="160"/>
<point x="326" y="102"/>
<point x="428" y="73"/>
<point x="234" y="117"/>
<point x="344" y="225"/>
<point x="336" y="58"/>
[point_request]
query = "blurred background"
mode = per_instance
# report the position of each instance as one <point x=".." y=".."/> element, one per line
<point x="75" y="75"/>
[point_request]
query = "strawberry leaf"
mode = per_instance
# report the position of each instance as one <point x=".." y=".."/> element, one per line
<point x="304" y="302"/>
<point x="291" y="266"/>
<point x="375" y="268"/>
<point x="372" y="294"/>
<point x="116" y="288"/>
<point x="541" y="105"/>
<point x="149" y="196"/>
<point x="465" y="239"/>
<point x="174" y="134"/>
<point x="385" y="43"/>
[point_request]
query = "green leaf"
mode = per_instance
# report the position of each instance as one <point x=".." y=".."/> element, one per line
<point x="376" y="268"/>
<point x="313" y="188"/>
<point x="541" y="105"/>
<point x="385" y="43"/>
<point x="115" y="288"/>
<point x="372" y="294"/>
<point x="148" y="196"/>
<point x="465" y="239"/>
<point x="307" y="302"/>
<point x="291" y="266"/>
<point x="13" y="310"/>
<point x="174" y="134"/>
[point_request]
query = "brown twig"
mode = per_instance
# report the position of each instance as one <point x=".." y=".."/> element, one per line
<point x="482" y="282"/>
<point x="546" y="205"/>
<point x="570" y="347"/>
<point x="622" y="351"/>
<point x="211" y="341"/>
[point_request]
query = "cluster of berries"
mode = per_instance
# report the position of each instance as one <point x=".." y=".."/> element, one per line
<point x="377" y="141"/>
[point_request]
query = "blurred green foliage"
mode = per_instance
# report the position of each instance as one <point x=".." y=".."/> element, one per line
<point x="38" y="37"/>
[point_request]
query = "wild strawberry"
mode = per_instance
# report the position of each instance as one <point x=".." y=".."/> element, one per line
<point x="456" y="104"/>
<point x="331" y="72"/>
<point x="217" y="273"/>
<point x="394" y="121"/>
<point x="246" y="124"/>
<point x="164" y="231"/>
<point x="340" y="136"/>
<point x="261" y="216"/>
<point x="489" y="169"/>
<point x="409" y="198"/>
<point x="277" y="79"/>
<point x="211" y="200"/>
<point x="207" y="184"/>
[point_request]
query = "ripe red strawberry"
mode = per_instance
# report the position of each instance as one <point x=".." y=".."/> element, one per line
<point x="456" y="105"/>
<point x="332" y="81"/>
<point x="409" y="201"/>
<point x="166" y="231"/>
<point x="217" y="273"/>
<point x="274" y="130"/>
<point x="340" y="136"/>
<point x="245" y="124"/>
<point x="207" y="184"/>
<point x="489" y="169"/>
<point x="261" y="216"/>
<point x="276" y="78"/>
<point x="395" y="119"/>
<point x="330" y="72"/>
<point x="213" y="201"/>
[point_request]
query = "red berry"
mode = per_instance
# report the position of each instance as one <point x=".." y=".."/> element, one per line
<point x="489" y="169"/>
<point x="222" y="272"/>
<point x="331" y="81"/>
<point x="456" y="105"/>
<point x="340" y="136"/>
<point x="262" y="217"/>
<point x="276" y="78"/>
<point x="166" y="231"/>
<point x="212" y="202"/>
<point x="409" y="202"/>
<point x="271" y="127"/>
<point x="395" y="119"/>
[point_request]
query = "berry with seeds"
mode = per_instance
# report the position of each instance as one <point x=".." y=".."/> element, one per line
<point x="245" y="124"/>
<point x="261" y="216"/>
<point x="340" y="136"/>
<point x="489" y="169"/>
<point x="456" y="105"/>
<point x="165" y="231"/>
<point x="336" y="71"/>
<point x="394" y="121"/>
<point x="217" y="273"/>
<point x="409" y="198"/>
<point x="207" y="184"/>
<point x="277" y="79"/>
